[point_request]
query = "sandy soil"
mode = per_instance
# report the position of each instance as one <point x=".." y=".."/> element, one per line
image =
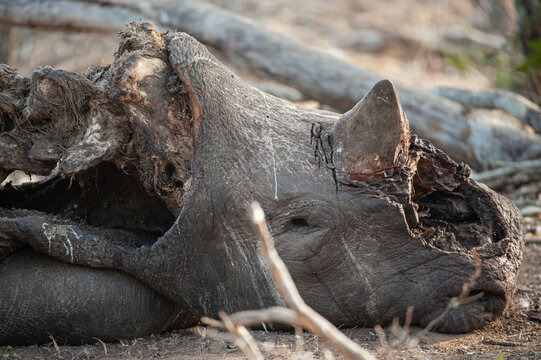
<point x="406" y="41"/>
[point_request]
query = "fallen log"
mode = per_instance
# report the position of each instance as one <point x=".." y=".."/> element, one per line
<point x="316" y="74"/>
<point x="514" y="104"/>
<point x="151" y="163"/>
<point x="517" y="174"/>
<point x="66" y="15"/>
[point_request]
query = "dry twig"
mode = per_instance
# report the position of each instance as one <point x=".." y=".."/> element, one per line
<point x="242" y="338"/>
<point x="299" y="314"/>
<point x="499" y="343"/>
<point x="398" y="336"/>
<point x="55" y="344"/>
<point x="517" y="173"/>
<point x="102" y="344"/>
<point x="381" y="336"/>
<point x="533" y="240"/>
<point x="403" y="338"/>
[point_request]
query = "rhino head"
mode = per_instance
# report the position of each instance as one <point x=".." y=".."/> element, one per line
<point x="369" y="219"/>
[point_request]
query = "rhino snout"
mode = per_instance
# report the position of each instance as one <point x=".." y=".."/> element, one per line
<point x="468" y="313"/>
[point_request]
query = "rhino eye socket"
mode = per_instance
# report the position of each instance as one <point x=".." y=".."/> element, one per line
<point x="299" y="222"/>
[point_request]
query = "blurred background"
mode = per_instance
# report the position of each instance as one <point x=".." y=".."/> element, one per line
<point x="469" y="44"/>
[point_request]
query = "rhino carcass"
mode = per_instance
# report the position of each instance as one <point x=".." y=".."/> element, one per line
<point x="151" y="163"/>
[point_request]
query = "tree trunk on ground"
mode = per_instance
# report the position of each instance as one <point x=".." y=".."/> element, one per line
<point x="318" y="75"/>
<point x="153" y="160"/>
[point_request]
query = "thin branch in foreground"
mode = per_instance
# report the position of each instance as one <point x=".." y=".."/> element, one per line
<point x="242" y="338"/>
<point x="398" y="337"/>
<point x="256" y="317"/>
<point x="299" y="314"/>
<point x="403" y="339"/>
<point x="381" y="336"/>
<point x="298" y="339"/>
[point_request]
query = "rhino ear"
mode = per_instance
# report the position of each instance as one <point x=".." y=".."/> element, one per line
<point x="373" y="136"/>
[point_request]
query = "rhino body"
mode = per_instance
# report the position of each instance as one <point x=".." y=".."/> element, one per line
<point x="142" y="223"/>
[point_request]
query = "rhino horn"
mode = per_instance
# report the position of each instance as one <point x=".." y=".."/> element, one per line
<point x="373" y="136"/>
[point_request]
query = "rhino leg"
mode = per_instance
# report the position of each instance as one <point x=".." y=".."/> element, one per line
<point x="45" y="297"/>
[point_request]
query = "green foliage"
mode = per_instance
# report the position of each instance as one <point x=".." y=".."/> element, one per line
<point x="501" y="357"/>
<point x="500" y="66"/>
<point x="534" y="60"/>
<point x="459" y="61"/>
<point x="6" y="353"/>
<point x="504" y="72"/>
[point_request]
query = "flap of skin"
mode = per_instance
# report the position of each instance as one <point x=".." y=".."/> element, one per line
<point x="373" y="136"/>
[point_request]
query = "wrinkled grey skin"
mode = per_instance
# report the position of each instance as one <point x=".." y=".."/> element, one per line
<point x="368" y="219"/>
<point x="353" y="255"/>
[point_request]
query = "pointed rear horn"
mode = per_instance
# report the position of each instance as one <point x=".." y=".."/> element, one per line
<point x="373" y="136"/>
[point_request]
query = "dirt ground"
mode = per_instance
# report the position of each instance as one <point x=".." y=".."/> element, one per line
<point x="417" y="43"/>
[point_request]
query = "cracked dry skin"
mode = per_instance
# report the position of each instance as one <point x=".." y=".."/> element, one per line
<point x="151" y="163"/>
